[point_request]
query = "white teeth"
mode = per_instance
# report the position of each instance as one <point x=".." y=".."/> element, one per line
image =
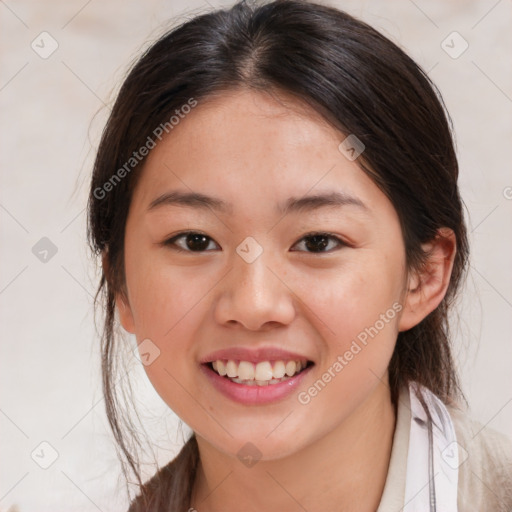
<point x="232" y="369"/>
<point x="263" y="371"/>
<point x="279" y="370"/>
<point x="221" y="368"/>
<point x="246" y="370"/>
<point x="291" y="366"/>
<point x="260" y="374"/>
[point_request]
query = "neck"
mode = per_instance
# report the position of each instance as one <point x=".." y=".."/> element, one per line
<point x="347" y="467"/>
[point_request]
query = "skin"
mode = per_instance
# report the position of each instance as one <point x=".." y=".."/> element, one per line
<point x="256" y="150"/>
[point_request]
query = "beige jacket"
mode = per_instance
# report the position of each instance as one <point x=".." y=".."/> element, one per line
<point x="485" y="471"/>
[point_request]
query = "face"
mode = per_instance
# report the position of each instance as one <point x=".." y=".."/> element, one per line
<point x="319" y="282"/>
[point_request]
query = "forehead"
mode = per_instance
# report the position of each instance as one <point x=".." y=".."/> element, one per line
<point x="247" y="144"/>
<point x="246" y="123"/>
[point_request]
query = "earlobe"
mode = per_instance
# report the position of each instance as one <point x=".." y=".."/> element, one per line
<point x="122" y="304"/>
<point x="125" y="314"/>
<point x="427" y="286"/>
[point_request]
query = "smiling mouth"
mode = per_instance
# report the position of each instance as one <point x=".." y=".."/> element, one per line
<point x="264" y="373"/>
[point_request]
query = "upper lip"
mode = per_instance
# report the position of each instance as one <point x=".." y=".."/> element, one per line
<point x="254" y="355"/>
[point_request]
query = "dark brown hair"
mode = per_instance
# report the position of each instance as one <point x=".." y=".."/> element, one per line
<point x="360" y="82"/>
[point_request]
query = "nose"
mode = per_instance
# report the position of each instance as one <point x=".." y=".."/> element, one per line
<point x="253" y="295"/>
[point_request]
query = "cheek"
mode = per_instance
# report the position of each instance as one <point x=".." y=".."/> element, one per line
<point x="352" y="298"/>
<point x="163" y="297"/>
<point x="168" y="305"/>
<point x="359" y="310"/>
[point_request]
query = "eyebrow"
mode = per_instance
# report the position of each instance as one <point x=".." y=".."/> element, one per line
<point x="292" y="205"/>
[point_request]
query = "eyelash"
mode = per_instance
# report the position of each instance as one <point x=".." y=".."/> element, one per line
<point x="171" y="241"/>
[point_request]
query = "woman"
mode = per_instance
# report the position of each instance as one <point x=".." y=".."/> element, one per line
<point x="275" y="202"/>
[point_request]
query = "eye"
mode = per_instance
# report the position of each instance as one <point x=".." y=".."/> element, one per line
<point x="193" y="242"/>
<point x="317" y="242"/>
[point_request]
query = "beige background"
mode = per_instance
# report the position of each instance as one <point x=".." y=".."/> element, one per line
<point x="50" y="387"/>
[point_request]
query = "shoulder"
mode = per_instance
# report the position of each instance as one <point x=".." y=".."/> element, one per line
<point x="485" y="465"/>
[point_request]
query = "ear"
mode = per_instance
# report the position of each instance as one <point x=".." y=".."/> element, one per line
<point x="427" y="286"/>
<point x="122" y="304"/>
<point x="125" y="313"/>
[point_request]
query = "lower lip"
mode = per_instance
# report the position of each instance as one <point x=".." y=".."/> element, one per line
<point x="254" y="395"/>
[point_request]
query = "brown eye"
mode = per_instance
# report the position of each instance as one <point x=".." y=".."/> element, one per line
<point x="317" y="242"/>
<point x="193" y="241"/>
<point x="190" y="241"/>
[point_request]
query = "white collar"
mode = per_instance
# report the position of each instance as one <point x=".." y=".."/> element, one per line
<point x="407" y="486"/>
<point x="433" y="458"/>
